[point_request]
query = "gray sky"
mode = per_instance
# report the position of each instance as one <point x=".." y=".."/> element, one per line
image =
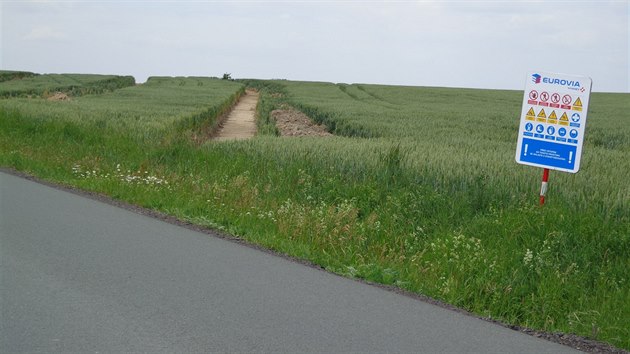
<point x="485" y="44"/>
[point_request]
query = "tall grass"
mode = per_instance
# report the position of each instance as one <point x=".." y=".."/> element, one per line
<point x="460" y="139"/>
<point x="6" y="75"/>
<point x="421" y="192"/>
<point x="73" y="84"/>
<point x="160" y="107"/>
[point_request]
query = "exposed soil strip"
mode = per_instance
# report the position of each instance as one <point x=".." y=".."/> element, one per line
<point x="59" y="96"/>
<point x="291" y="122"/>
<point x="241" y="122"/>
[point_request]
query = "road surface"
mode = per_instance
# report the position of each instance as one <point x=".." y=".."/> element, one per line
<point x="79" y="275"/>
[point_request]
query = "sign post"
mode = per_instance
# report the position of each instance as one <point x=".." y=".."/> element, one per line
<point x="543" y="187"/>
<point x="553" y="122"/>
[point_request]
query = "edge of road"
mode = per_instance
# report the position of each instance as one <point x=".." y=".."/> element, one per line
<point x="567" y="339"/>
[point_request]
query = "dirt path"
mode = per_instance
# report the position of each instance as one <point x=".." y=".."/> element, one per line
<point x="241" y="122"/>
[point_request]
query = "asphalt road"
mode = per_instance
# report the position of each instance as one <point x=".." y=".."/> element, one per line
<point x="78" y="275"/>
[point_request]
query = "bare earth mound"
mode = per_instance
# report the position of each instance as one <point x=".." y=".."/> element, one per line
<point x="59" y="96"/>
<point x="291" y="122"/>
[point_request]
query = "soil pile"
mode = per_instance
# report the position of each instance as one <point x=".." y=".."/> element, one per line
<point x="59" y="96"/>
<point x="291" y="122"/>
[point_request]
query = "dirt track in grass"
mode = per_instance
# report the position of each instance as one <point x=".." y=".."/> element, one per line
<point x="241" y="121"/>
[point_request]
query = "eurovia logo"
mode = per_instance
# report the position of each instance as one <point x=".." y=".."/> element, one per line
<point x="570" y="84"/>
<point x="536" y="78"/>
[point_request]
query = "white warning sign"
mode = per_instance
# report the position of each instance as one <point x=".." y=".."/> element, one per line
<point x="549" y="142"/>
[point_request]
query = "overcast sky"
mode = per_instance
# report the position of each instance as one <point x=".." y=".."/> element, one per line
<point x="485" y="44"/>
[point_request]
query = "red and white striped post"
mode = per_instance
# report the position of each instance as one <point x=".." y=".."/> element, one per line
<point x="543" y="187"/>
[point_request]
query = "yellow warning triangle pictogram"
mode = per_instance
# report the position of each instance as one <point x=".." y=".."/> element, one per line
<point x="531" y="112"/>
<point x="553" y="115"/>
<point x="542" y="114"/>
<point x="578" y="102"/>
<point x="564" y="117"/>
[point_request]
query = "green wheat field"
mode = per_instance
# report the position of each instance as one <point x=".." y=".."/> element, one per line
<point x="417" y="189"/>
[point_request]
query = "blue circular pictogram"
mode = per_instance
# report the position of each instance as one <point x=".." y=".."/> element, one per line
<point x="551" y="130"/>
<point x="573" y="133"/>
<point x="540" y="128"/>
<point x="575" y="117"/>
<point x="529" y="127"/>
<point x="562" y="132"/>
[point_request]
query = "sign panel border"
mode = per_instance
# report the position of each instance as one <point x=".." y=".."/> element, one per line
<point x="553" y="151"/>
